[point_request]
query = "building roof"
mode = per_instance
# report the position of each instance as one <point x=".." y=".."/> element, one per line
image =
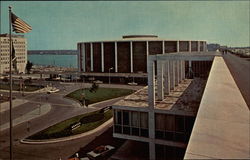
<point x="184" y="100"/>
<point x="128" y="38"/>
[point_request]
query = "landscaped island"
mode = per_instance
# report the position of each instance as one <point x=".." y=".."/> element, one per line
<point x="101" y="94"/>
<point x="85" y="122"/>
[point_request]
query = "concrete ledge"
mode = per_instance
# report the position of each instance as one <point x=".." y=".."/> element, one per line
<point x="56" y="140"/>
<point x="221" y="129"/>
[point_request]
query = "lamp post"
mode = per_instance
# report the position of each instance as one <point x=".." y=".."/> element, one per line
<point x="109" y="73"/>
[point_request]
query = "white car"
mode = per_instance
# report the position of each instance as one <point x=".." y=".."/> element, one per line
<point x="132" y="84"/>
<point x="100" y="151"/>
<point x="53" y="90"/>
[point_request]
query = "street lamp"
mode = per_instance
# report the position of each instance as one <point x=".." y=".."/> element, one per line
<point x="109" y="73"/>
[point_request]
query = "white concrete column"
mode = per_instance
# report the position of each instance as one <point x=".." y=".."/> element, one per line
<point x="102" y="56"/>
<point x="172" y="74"/>
<point x="180" y="71"/>
<point x="190" y="46"/>
<point x="131" y="57"/>
<point x="116" y="64"/>
<point x="178" y="46"/>
<point x="152" y="151"/>
<point x="166" y="78"/>
<point x="189" y="67"/>
<point x="163" y="47"/>
<point x="204" y="46"/>
<point x="183" y="70"/>
<point x="198" y="44"/>
<point x="176" y="65"/>
<point x="147" y="51"/>
<point x="91" y="58"/>
<point x="160" y="93"/>
<point x="151" y="84"/>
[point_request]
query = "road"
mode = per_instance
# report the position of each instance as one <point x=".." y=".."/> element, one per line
<point x="62" y="109"/>
<point x="240" y="69"/>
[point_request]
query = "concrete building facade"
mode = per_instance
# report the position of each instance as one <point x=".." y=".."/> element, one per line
<point x="20" y="46"/>
<point x="129" y="54"/>
<point x="163" y="113"/>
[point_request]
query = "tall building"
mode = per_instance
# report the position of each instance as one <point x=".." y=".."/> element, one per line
<point x="20" y="46"/>
<point x="129" y="54"/>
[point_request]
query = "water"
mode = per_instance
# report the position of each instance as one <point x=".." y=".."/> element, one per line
<point x="54" y="60"/>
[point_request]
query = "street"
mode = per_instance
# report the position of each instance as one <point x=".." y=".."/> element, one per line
<point x="61" y="109"/>
<point x="240" y="70"/>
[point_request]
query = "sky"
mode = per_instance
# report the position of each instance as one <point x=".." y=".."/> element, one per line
<point x="61" y="24"/>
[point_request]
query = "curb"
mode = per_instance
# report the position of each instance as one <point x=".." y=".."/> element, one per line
<point x="91" y="105"/>
<point x="63" y="139"/>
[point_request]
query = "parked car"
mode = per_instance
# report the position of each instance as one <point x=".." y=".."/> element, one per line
<point x="100" y="151"/>
<point x="98" y="82"/>
<point x="132" y="84"/>
<point x="53" y="90"/>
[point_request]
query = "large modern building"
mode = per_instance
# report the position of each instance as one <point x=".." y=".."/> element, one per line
<point x="180" y="118"/>
<point x="129" y="54"/>
<point x="20" y="46"/>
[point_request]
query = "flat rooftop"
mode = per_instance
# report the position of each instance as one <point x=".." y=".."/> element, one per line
<point x="185" y="99"/>
<point x="221" y="129"/>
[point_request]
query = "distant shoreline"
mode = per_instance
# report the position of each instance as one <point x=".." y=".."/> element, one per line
<point x="52" y="52"/>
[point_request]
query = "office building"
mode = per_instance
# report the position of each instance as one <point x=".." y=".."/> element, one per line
<point x="20" y="46"/>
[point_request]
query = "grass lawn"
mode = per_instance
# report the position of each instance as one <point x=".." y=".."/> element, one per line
<point x="100" y="95"/>
<point x="88" y="121"/>
<point x="16" y="87"/>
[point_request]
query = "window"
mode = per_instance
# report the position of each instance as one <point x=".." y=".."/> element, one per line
<point x="144" y="120"/>
<point x="125" y="117"/>
<point x="135" y="121"/>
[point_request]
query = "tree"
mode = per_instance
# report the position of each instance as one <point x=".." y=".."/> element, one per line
<point x="29" y="66"/>
<point x="94" y="87"/>
<point x="28" y="81"/>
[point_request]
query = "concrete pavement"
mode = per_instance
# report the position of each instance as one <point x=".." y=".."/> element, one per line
<point x="240" y="70"/>
<point x="16" y="102"/>
<point x="61" y="109"/>
<point x="42" y="110"/>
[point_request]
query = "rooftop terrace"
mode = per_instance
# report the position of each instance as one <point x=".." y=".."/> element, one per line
<point x="185" y="99"/>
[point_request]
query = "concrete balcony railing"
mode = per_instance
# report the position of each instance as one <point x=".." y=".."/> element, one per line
<point x="221" y="129"/>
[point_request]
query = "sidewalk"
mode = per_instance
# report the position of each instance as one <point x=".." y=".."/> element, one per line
<point x="16" y="102"/>
<point x="106" y="124"/>
<point x="45" y="108"/>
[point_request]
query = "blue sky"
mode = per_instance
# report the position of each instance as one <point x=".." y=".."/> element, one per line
<point x="60" y="25"/>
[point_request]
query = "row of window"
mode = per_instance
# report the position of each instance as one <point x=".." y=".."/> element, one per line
<point x="7" y="62"/>
<point x="17" y="53"/>
<point x="15" y="46"/>
<point x="6" y="41"/>
<point x="167" y="127"/>
<point x="7" y="58"/>
<point x="131" y="123"/>
<point x="131" y="118"/>
<point x="17" y="50"/>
